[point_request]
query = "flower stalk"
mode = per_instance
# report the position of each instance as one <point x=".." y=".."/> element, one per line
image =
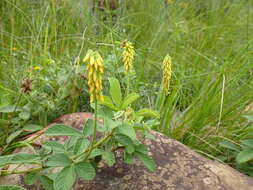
<point x="95" y="71"/>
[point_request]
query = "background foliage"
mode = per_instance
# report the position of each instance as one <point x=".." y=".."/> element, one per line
<point x="209" y="41"/>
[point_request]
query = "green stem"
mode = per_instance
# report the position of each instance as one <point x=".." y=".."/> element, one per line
<point x="94" y="136"/>
<point x="128" y="84"/>
<point x="95" y="146"/>
<point x="6" y="172"/>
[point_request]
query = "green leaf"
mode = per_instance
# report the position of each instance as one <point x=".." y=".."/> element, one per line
<point x="32" y="127"/>
<point x="127" y="130"/>
<point x="62" y="130"/>
<point x="88" y="127"/>
<point x="9" y="109"/>
<point x="109" y="158"/>
<point x="24" y="158"/>
<point x="65" y="179"/>
<point x="96" y="152"/>
<point x="129" y="100"/>
<point x="130" y="149"/>
<point x="248" y="143"/>
<point x="47" y="183"/>
<point x="128" y="158"/>
<point x="244" y="156"/>
<point x="59" y="160"/>
<point x="54" y="146"/>
<point x="148" y="113"/>
<point x="229" y="145"/>
<point x="4" y="160"/>
<point x="249" y="117"/>
<point x="71" y="142"/>
<point x="149" y="135"/>
<point x="31" y="178"/>
<point x="147" y="161"/>
<point x="85" y="170"/>
<point x="142" y="148"/>
<point x="115" y="91"/>
<point x="13" y="136"/>
<point x="81" y="145"/>
<point x="108" y="102"/>
<point x="123" y="139"/>
<point x="110" y="124"/>
<point x="11" y="187"/>
<point x="109" y="144"/>
<point x="20" y="158"/>
<point x="24" y="115"/>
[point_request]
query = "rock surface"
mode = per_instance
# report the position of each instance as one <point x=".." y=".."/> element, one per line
<point x="178" y="168"/>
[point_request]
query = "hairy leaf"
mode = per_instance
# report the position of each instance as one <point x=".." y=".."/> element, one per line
<point x="59" y="160"/>
<point x="123" y="139"/>
<point x="65" y="179"/>
<point x="109" y="158"/>
<point x="127" y="130"/>
<point x="147" y="161"/>
<point x="85" y="170"/>
<point x="62" y="130"/>
<point x="88" y="127"/>
<point x="81" y="145"/>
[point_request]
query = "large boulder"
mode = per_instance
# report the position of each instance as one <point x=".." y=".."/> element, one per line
<point x="178" y="168"/>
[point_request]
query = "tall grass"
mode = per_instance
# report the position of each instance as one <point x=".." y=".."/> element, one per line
<point x="209" y="42"/>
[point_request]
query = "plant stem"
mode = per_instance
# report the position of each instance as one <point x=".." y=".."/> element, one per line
<point x="128" y="83"/>
<point x="95" y="146"/>
<point x="6" y="172"/>
<point x="94" y="136"/>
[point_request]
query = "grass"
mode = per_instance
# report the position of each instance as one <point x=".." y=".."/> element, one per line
<point x="209" y="41"/>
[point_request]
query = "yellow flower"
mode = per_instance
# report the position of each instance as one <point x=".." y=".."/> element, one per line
<point x="36" y="68"/>
<point x="14" y="49"/>
<point x="128" y="55"/>
<point x="95" y="71"/>
<point x="166" y="74"/>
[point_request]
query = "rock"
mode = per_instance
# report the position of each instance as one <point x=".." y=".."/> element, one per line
<point x="178" y="168"/>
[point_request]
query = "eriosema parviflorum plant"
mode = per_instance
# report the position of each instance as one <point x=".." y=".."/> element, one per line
<point x="115" y="126"/>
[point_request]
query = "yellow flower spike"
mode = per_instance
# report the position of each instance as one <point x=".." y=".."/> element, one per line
<point x="95" y="70"/>
<point x="166" y="74"/>
<point x="128" y="55"/>
<point x="87" y="56"/>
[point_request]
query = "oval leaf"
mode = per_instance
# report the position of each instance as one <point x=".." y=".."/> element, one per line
<point x="88" y="127"/>
<point x="85" y="170"/>
<point x="115" y="91"/>
<point x="65" y="179"/>
<point x="129" y="100"/>
<point x="147" y="161"/>
<point x="59" y="160"/>
<point x="108" y="102"/>
<point x="109" y="158"/>
<point x="62" y="130"/>
<point x="127" y="130"/>
<point x="148" y="113"/>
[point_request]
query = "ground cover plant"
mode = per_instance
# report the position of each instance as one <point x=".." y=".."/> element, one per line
<point x="209" y="102"/>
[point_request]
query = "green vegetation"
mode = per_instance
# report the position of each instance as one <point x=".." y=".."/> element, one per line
<point x="42" y="75"/>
